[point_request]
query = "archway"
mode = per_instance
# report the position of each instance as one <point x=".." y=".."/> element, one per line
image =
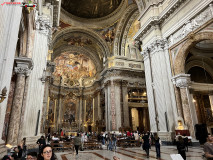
<point x="179" y="63"/>
<point x="194" y="60"/>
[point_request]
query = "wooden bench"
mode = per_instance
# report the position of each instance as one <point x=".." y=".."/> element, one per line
<point x="128" y="143"/>
<point x="62" y="146"/>
<point x="92" y="145"/>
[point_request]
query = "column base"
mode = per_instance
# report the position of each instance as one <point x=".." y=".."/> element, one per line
<point x="166" y="136"/>
<point x="31" y="142"/>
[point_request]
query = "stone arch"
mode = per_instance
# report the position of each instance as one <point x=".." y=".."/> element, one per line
<point x="123" y="28"/>
<point x="179" y="63"/>
<point x="200" y="64"/>
<point x="90" y="33"/>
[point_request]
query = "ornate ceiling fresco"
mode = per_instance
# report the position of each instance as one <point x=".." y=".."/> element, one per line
<point x="90" y="8"/>
<point x="71" y="69"/>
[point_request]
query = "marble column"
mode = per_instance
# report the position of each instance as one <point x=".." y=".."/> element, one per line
<point x="24" y="65"/>
<point x="107" y="105"/>
<point x="55" y="114"/>
<point x="45" y="107"/>
<point x="93" y="114"/>
<point x="197" y="108"/>
<point x="97" y="109"/>
<point x="118" y="101"/>
<point x="80" y="112"/>
<point x="99" y="106"/>
<point x="178" y="101"/>
<point x="182" y="81"/>
<point x="77" y="118"/>
<point x="84" y="112"/>
<point x="125" y="105"/>
<point x="145" y="119"/>
<point x="59" y="112"/>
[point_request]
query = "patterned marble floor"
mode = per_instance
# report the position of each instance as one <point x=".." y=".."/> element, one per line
<point x="194" y="153"/>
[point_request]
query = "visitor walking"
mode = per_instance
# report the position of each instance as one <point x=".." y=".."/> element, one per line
<point x="77" y="143"/>
<point x="156" y="140"/>
<point x="181" y="147"/>
<point x="41" y="142"/>
<point x="146" y="144"/>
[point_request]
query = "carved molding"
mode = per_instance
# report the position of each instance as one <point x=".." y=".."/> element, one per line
<point x="158" y="20"/>
<point x="23" y="66"/>
<point x="191" y="25"/>
<point x="124" y="83"/>
<point x="123" y="73"/>
<point x="44" y="26"/>
<point x="116" y="82"/>
<point x="181" y="80"/>
<point x="107" y="83"/>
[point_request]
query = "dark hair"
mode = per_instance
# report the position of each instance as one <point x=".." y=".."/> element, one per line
<point x="6" y="157"/>
<point x="180" y="138"/>
<point x="33" y="154"/>
<point x="156" y="136"/>
<point x="40" y="157"/>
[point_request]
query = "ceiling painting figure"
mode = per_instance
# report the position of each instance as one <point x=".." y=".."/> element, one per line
<point x="72" y="68"/>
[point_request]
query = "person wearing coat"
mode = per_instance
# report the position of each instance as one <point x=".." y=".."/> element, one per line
<point x="77" y="143"/>
<point x="146" y="144"/>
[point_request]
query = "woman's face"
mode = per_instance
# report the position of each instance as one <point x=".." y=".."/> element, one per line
<point x="47" y="153"/>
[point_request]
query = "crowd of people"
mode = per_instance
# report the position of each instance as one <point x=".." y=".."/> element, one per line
<point x="106" y="138"/>
<point x="45" y="153"/>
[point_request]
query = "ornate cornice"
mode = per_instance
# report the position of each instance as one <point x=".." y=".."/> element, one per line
<point x="191" y="25"/>
<point x="122" y="73"/>
<point x="23" y="66"/>
<point x="158" y="20"/>
<point x="107" y="83"/>
<point x="44" y="25"/>
<point x="181" y="80"/>
<point x="124" y="83"/>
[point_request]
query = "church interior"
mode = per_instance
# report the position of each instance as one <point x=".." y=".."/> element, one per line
<point x="105" y="65"/>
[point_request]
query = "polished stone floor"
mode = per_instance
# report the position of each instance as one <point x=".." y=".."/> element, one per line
<point x="194" y="153"/>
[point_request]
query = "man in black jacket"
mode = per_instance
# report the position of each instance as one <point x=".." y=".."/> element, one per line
<point x="41" y="142"/>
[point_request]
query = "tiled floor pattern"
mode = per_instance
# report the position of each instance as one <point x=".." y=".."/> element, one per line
<point x="194" y="153"/>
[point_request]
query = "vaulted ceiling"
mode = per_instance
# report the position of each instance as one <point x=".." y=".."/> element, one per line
<point x="90" y="8"/>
